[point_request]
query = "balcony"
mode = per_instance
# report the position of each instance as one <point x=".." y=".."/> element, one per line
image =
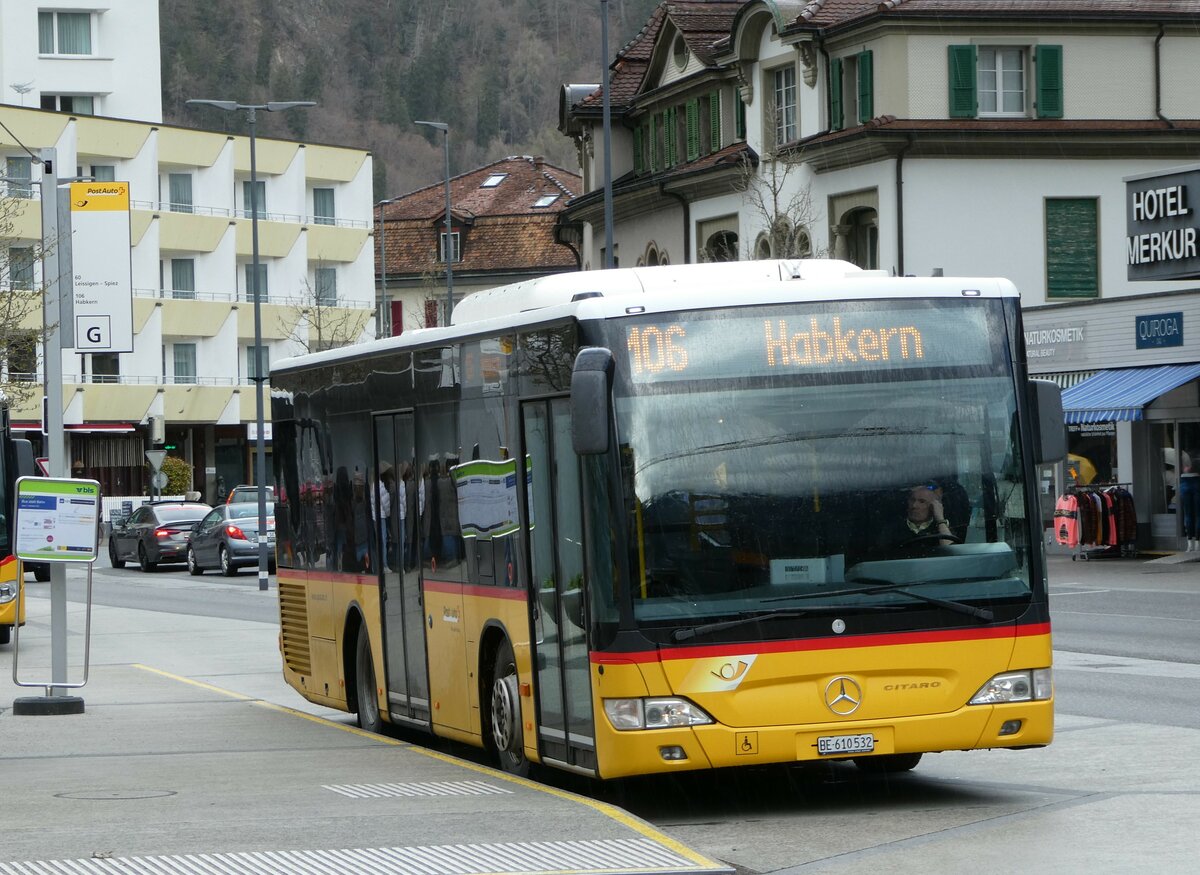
<point x="263" y="216"/>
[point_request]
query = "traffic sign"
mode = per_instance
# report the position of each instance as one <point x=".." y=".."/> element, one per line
<point x="159" y="480"/>
<point x="155" y="458"/>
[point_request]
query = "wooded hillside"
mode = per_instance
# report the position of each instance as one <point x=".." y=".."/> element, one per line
<point x="490" y="68"/>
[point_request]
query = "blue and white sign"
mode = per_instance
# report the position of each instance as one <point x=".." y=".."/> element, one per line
<point x="1159" y="330"/>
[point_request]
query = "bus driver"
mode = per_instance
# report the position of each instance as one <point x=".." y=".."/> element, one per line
<point x="924" y="527"/>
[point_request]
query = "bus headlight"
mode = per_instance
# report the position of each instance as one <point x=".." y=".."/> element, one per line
<point x="627" y="714"/>
<point x="1016" y="686"/>
<point x="8" y="592"/>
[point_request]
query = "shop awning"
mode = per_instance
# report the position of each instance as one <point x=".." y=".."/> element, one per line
<point x="1120" y="395"/>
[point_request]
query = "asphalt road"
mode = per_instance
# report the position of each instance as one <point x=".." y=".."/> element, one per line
<point x="1102" y="798"/>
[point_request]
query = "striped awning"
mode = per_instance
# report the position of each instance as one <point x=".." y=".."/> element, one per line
<point x="1120" y="395"/>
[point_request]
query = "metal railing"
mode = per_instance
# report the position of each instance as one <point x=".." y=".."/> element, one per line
<point x="263" y="215"/>
<point x="246" y="297"/>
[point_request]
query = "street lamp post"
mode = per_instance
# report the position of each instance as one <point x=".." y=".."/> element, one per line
<point x="385" y="313"/>
<point x="260" y="463"/>
<point x="449" y="250"/>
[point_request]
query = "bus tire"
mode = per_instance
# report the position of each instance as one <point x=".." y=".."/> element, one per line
<point x="888" y="763"/>
<point x="5" y="634"/>
<point x="507" y="738"/>
<point x="364" y="685"/>
<point x="41" y="573"/>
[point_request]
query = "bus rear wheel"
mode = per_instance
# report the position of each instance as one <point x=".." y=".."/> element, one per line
<point x="364" y="685"/>
<point x="506" y="713"/>
<point x="888" y="763"/>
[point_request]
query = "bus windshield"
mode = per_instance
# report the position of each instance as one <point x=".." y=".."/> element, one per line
<point x="801" y="459"/>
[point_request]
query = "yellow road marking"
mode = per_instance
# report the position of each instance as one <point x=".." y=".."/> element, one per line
<point x="603" y="808"/>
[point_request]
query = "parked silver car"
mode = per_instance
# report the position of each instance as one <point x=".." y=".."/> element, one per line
<point x="227" y="539"/>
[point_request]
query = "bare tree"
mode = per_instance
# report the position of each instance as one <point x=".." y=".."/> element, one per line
<point x="785" y="210"/>
<point x="321" y="323"/>
<point x="22" y="329"/>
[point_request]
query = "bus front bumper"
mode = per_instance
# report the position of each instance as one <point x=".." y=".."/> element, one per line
<point x="1013" y="725"/>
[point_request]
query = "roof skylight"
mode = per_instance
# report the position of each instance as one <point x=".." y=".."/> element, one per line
<point x="545" y="200"/>
<point x="493" y="180"/>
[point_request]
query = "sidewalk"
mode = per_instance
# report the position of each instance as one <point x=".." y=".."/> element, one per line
<point x="193" y="755"/>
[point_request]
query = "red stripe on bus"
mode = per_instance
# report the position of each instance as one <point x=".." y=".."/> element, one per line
<point x="841" y="642"/>
<point x="456" y="588"/>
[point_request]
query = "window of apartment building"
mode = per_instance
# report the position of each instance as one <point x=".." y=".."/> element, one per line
<point x="179" y="190"/>
<point x="323" y="206"/>
<point x="260" y="286"/>
<point x="183" y="278"/>
<point x="185" y="362"/>
<point x="105" y="367"/>
<point x="98" y="172"/>
<point x="20" y="267"/>
<point x="455" y="245"/>
<point x="22" y="357"/>
<point x="64" y="33"/>
<point x="781" y="107"/>
<point x="260" y="199"/>
<point x="851" y="90"/>
<point x="994" y="81"/>
<point x="257" y="365"/>
<point x="80" y="104"/>
<point x="1072" y="248"/>
<point x="326" y="286"/>
<point x="19" y="171"/>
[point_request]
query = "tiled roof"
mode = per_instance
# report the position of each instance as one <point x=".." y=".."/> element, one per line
<point x="504" y="231"/>
<point x="701" y="22"/>
<point x="835" y="13"/>
<point x="501" y="244"/>
<point x="1010" y="127"/>
<point x="527" y="179"/>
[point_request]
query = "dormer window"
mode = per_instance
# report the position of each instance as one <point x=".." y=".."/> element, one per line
<point x="679" y="52"/>
<point x="545" y="200"/>
<point x="494" y="180"/>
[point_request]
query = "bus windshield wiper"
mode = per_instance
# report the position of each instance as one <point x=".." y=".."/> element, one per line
<point x="756" y="616"/>
<point x="902" y="588"/>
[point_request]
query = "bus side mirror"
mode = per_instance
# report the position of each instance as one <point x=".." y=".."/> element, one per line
<point x="1050" y="434"/>
<point x="591" y="408"/>
<point x="26" y="463"/>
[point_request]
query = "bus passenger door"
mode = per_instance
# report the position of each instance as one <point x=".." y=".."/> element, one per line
<point x="555" y="525"/>
<point x="400" y="582"/>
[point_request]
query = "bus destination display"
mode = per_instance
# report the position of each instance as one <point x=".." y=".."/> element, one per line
<point x="771" y="344"/>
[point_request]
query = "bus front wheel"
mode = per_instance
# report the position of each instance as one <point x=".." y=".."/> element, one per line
<point x="506" y="713"/>
<point x="364" y="685"/>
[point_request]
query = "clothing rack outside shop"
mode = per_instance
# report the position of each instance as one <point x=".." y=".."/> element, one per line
<point x="1098" y="521"/>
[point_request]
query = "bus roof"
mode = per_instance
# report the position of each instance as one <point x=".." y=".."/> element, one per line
<point x="605" y="294"/>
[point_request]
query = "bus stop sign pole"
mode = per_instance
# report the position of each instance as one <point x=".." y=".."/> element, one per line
<point x="57" y="522"/>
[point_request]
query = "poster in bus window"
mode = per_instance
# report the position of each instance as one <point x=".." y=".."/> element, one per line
<point x="487" y="497"/>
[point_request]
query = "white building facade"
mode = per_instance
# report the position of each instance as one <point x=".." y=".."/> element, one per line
<point x="194" y="357"/>
<point x="83" y="58"/>
<point x="922" y="137"/>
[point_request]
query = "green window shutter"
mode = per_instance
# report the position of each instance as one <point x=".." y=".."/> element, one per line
<point x="1072" y="248"/>
<point x="692" y="115"/>
<point x="866" y="88"/>
<point x="714" y="122"/>
<point x="656" y="125"/>
<point x="964" y="99"/>
<point x="835" y="94"/>
<point x="637" y="150"/>
<point x="1049" y="81"/>
<point x="670" y="134"/>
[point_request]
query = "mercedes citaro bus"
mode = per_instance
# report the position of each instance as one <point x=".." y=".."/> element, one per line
<point x="630" y="522"/>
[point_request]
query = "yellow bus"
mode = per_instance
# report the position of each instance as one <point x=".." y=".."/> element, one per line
<point x="16" y="460"/>
<point x="657" y="519"/>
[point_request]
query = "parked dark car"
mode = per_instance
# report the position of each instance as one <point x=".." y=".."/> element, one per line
<point x="227" y="539"/>
<point x="155" y="532"/>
